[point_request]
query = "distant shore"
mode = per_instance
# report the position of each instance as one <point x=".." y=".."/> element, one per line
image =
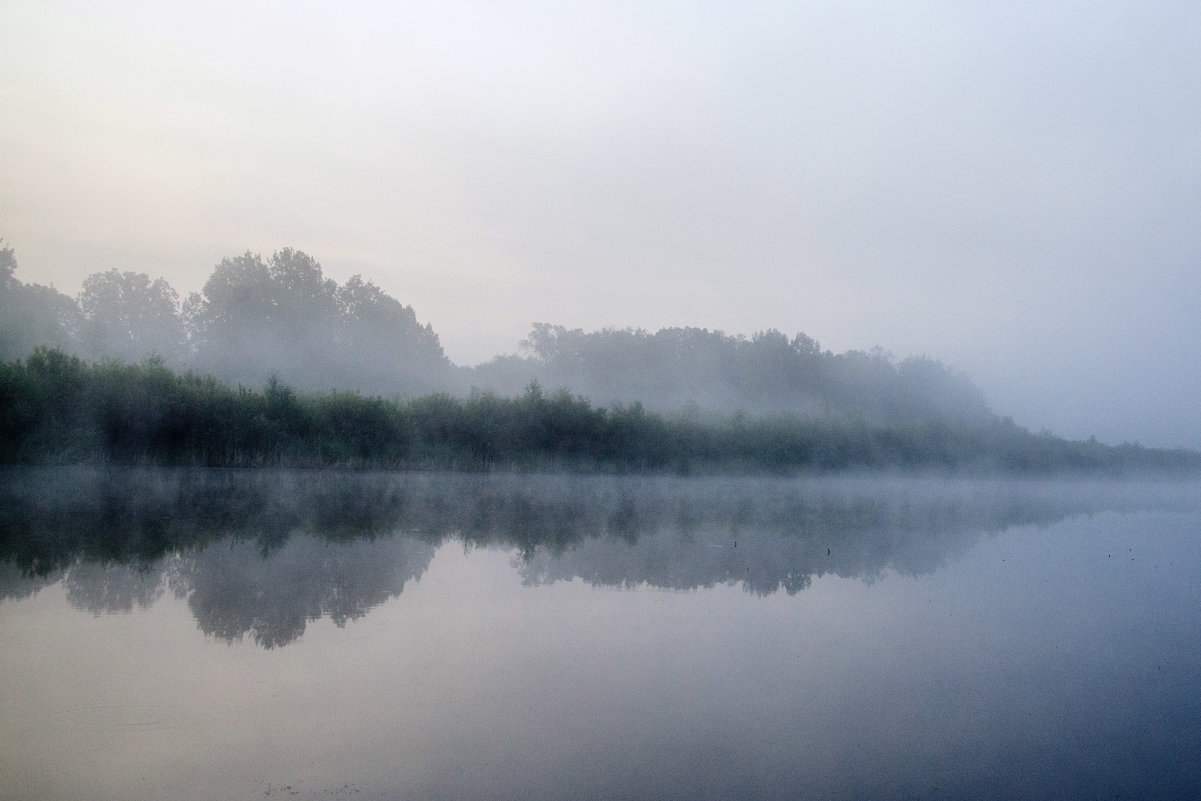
<point x="57" y="409"/>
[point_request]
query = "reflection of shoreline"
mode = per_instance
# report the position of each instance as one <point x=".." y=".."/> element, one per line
<point x="264" y="552"/>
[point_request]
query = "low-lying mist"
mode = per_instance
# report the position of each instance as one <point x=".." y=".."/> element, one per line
<point x="261" y="553"/>
<point x="280" y="324"/>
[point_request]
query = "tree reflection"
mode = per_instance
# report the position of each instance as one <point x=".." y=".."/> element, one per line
<point x="236" y="591"/>
<point x="262" y="553"/>
<point x="113" y="587"/>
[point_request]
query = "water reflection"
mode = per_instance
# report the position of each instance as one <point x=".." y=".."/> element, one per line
<point x="263" y="553"/>
<point x="273" y="597"/>
<point x="866" y="638"/>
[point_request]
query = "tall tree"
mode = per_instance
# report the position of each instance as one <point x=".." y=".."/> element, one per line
<point x="255" y="318"/>
<point x="383" y="344"/>
<point x="32" y="315"/>
<point x="8" y="266"/>
<point x="127" y="316"/>
<point x="284" y="316"/>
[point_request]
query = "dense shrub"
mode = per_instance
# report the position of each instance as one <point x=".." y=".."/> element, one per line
<point x="55" y="408"/>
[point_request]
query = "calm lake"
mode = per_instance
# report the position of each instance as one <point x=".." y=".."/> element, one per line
<point x="222" y="634"/>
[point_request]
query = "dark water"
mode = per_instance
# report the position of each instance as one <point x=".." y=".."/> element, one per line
<point x="252" y="635"/>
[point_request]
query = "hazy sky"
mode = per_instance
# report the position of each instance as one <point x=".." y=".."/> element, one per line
<point x="1013" y="188"/>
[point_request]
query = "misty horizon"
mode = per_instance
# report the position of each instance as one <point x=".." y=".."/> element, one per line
<point x="312" y="634"/>
<point x="642" y="398"/>
<point x="1010" y="189"/>
<point x="283" y="317"/>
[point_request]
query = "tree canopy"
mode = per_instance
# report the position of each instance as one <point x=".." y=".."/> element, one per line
<point x="766" y="373"/>
<point x="129" y="317"/>
<point x="285" y="316"/>
<point x="257" y="317"/>
<point x="32" y="315"/>
<point x="253" y="318"/>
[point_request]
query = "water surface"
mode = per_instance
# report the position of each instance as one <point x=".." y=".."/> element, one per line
<point x="262" y="634"/>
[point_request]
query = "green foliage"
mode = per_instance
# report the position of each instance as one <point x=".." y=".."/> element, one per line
<point x="55" y="408"/>
<point x="253" y="317"/>
<point x="256" y="316"/>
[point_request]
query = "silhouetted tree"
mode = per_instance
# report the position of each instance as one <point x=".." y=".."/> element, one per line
<point x="382" y="347"/>
<point x="283" y="316"/>
<point x="8" y="266"/>
<point x="32" y="315"/>
<point x="129" y="317"/>
<point x="236" y="324"/>
<point x="769" y="373"/>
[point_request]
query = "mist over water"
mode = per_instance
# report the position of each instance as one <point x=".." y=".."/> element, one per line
<point x="396" y="635"/>
<point x="788" y="364"/>
<point x="301" y="545"/>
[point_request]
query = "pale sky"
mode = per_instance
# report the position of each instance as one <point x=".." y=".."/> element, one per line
<point x="1013" y="188"/>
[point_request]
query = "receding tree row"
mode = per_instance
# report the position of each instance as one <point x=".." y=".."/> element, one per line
<point x="56" y="408"/>
<point x="126" y="372"/>
<point x="281" y="316"/>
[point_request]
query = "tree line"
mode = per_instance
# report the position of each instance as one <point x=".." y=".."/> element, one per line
<point x="256" y="317"/>
<point x="766" y="373"/>
<point x="56" y="408"/>
<point x="253" y="317"/>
